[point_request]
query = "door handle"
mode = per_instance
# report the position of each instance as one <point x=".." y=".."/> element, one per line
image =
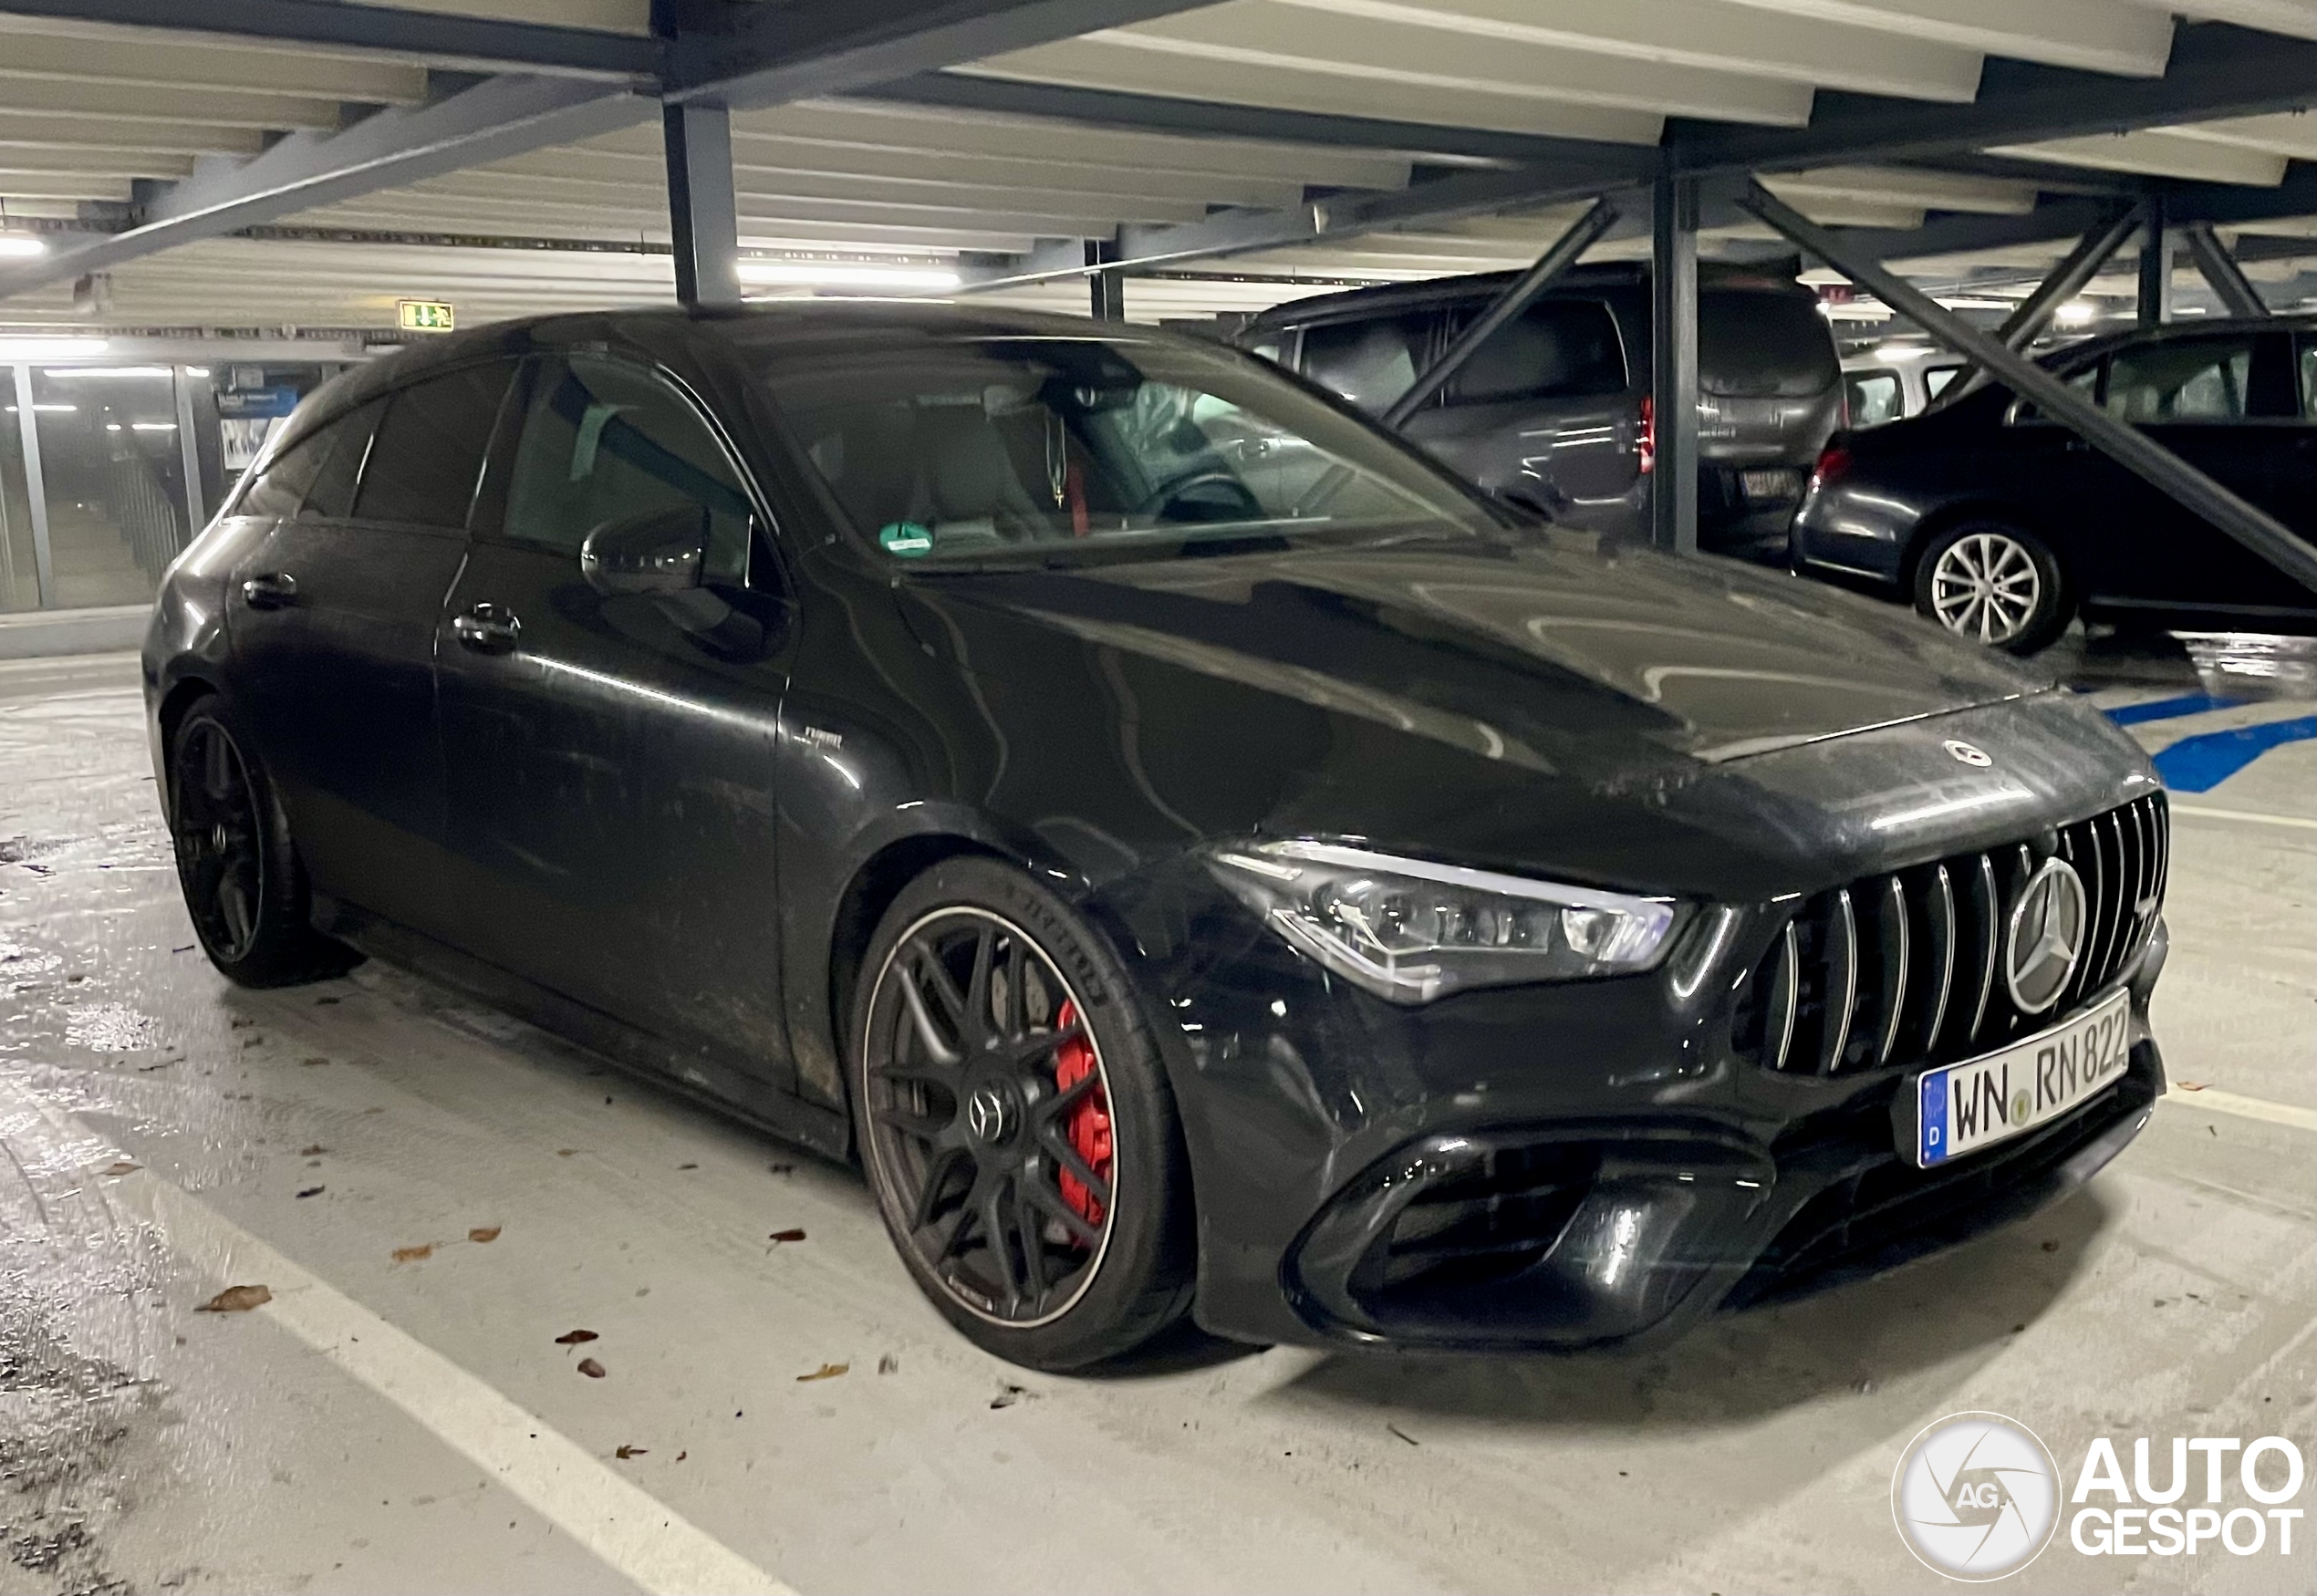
<point x="272" y="591"/>
<point x="487" y="629"/>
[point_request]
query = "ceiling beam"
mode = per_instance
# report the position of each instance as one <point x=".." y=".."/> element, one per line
<point x="775" y="54"/>
<point x="432" y="35"/>
<point x="2217" y="71"/>
<point x="1154" y="113"/>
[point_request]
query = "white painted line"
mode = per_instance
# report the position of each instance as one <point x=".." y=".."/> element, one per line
<point x="2202" y="812"/>
<point x="625" y="1525"/>
<point x="2220" y="1102"/>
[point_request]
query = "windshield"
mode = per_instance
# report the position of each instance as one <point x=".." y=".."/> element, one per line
<point x="960" y="446"/>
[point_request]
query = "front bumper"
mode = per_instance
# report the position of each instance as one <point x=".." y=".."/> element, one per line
<point x="1551" y="1167"/>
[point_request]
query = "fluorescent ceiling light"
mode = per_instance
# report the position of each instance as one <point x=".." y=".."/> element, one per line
<point x="49" y="409"/>
<point x="2075" y="313"/>
<point x="17" y="245"/>
<point x="110" y="371"/>
<point x="152" y="426"/>
<point x="24" y="349"/>
<point x="1978" y="304"/>
<point x="1897" y="352"/>
<point x="197" y="371"/>
<point x="845" y="274"/>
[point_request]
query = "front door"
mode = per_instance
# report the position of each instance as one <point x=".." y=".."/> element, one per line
<point x="609" y="755"/>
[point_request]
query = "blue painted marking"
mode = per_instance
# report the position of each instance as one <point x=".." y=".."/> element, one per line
<point x="2170" y="709"/>
<point x="2200" y="763"/>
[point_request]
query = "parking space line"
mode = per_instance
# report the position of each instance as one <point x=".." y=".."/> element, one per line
<point x="2242" y="1107"/>
<point x="2202" y="812"/>
<point x="625" y="1525"/>
<point x="2201" y="762"/>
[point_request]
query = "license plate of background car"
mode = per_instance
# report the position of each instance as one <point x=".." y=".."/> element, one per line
<point x="1964" y="1107"/>
<point x="1769" y="485"/>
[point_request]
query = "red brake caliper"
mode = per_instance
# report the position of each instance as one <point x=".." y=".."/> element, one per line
<point x="1088" y="1123"/>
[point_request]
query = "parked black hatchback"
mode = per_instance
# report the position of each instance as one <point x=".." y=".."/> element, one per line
<point x="2000" y="524"/>
<point x="1556" y="407"/>
<point x="1335" y="906"/>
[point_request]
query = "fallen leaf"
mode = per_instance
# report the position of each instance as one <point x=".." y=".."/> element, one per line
<point x="565" y="1151"/>
<point x="484" y="1233"/>
<point x="1007" y="1396"/>
<point x="313" y="1191"/>
<point x="316" y="1151"/>
<point x="625" y="1453"/>
<point x="687" y="1165"/>
<point x="236" y="1299"/>
<point x="314" y="1059"/>
<point x="681" y="1456"/>
<point x="572" y="1338"/>
<point x="2190" y="1085"/>
<point x="591" y="1369"/>
<point x="1403" y="1434"/>
<point x="122" y="1166"/>
<point x="415" y="1254"/>
<point x="825" y="1372"/>
<point x="781" y="1236"/>
<point x="889" y="1365"/>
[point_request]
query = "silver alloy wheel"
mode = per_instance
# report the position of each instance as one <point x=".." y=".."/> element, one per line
<point x="1986" y="586"/>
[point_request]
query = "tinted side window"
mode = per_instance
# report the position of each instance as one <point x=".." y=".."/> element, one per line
<point x="2306" y="359"/>
<point x="1874" y="398"/>
<point x="2084" y="380"/>
<point x="348" y="442"/>
<point x="429" y="450"/>
<point x="2185" y="380"/>
<point x="605" y="441"/>
<point x="1753" y="344"/>
<point x="1556" y="348"/>
<point x="1937" y="377"/>
<point x="1370" y="363"/>
<point x="278" y="489"/>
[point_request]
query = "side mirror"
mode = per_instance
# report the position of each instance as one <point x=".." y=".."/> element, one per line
<point x="658" y="551"/>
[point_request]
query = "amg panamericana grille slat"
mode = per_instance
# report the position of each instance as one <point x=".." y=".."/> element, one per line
<point x="1907" y="968"/>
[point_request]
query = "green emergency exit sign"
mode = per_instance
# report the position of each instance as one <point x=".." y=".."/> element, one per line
<point x="425" y="316"/>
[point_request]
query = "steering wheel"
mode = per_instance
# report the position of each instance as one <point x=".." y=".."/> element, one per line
<point x="1211" y="496"/>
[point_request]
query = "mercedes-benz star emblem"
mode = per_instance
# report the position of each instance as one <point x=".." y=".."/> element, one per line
<point x="2046" y="936"/>
<point x="985" y="1114"/>
<point x="1964" y="753"/>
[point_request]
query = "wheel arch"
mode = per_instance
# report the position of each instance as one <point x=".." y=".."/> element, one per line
<point x="176" y="705"/>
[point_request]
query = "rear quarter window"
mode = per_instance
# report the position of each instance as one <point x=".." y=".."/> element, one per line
<point x="1370" y="362"/>
<point x="1557" y="349"/>
<point x="1760" y="345"/>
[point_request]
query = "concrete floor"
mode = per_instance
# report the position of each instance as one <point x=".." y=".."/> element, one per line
<point x="413" y="1425"/>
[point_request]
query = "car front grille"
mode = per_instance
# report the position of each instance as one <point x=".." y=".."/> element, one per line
<point x="1907" y="968"/>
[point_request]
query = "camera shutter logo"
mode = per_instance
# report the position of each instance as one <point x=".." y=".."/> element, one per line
<point x="1975" y="1496"/>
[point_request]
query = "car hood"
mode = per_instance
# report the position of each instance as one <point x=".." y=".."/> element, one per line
<point x="1563" y="652"/>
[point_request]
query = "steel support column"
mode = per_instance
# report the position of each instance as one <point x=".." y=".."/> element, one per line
<point x="1105" y="285"/>
<point x="2220" y="270"/>
<point x="1551" y="267"/>
<point x="704" y="216"/>
<point x="189" y="456"/>
<point x="1673" y="355"/>
<point x="2155" y="302"/>
<point x="36" y="490"/>
<point x="2128" y="446"/>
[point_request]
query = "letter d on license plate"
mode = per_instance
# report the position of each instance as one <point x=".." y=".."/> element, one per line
<point x="1967" y="1106"/>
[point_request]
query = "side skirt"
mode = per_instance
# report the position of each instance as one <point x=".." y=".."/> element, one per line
<point x="706" y="1080"/>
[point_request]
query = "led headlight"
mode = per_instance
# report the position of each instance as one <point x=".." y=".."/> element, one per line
<point x="1411" y="930"/>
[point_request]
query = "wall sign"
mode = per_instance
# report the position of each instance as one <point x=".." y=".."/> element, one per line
<point x="424" y="316"/>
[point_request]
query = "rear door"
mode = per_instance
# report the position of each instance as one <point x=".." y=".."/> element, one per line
<point x="2225" y="404"/>
<point x="333" y="626"/>
<point x="610" y="755"/>
<point x="1546" y="405"/>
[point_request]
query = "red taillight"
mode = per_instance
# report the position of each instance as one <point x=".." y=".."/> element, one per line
<point x="1648" y="440"/>
<point x="1834" y="464"/>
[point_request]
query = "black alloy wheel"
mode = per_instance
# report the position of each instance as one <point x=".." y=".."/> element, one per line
<point x="1015" y="1124"/>
<point x="243" y="886"/>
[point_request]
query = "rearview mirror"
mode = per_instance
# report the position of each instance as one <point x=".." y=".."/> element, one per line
<point x="657" y="550"/>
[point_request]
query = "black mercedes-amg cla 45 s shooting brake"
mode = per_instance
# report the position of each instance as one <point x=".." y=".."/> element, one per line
<point x="1196" y="855"/>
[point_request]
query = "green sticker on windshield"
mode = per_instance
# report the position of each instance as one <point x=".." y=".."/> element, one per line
<point x="906" y="538"/>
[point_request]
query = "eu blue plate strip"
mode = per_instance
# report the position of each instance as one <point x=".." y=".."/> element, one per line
<point x="2200" y="763"/>
<point x="2170" y="709"/>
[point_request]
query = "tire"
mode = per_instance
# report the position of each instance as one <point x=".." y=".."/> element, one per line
<point x="243" y="886"/>
<point x="994" y="1040"/>
<point x="1994" y="584"/>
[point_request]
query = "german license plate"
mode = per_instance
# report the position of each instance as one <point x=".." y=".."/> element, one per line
<point x="1967" y="1106"/>
<point x="1769" y="486"/>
